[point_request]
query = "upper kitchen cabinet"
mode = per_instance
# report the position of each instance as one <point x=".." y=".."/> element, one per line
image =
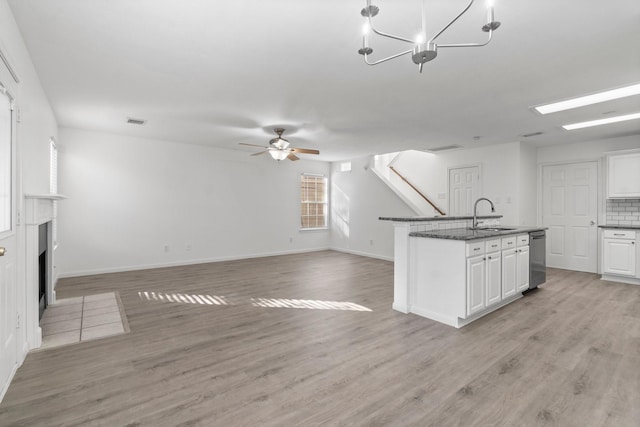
<point x="623" y="175"/>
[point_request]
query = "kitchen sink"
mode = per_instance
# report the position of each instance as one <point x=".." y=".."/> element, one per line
<point x="491" y="229"/>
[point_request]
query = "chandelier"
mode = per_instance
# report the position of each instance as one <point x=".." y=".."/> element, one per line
<point x="423" y="50"/>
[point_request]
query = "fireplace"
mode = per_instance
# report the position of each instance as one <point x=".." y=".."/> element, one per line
<point x="43" y="271"/>
<point x="40" y="265"/>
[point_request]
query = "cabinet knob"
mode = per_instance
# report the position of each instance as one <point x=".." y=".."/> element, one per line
<point x="2" y="251"/>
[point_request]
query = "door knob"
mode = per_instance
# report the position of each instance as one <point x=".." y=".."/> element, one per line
<point x="592" y="222"/>
<point x="1" y="251"/>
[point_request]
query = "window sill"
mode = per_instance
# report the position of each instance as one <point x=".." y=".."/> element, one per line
<point x="314" y="229"/>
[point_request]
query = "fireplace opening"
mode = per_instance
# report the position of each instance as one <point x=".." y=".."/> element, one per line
<point x="42" y="267"/>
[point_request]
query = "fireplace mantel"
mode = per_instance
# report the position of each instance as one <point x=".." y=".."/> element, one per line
<point x="38" y="209"/>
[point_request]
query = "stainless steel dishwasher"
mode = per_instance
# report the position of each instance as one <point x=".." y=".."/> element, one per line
<point x="537" y="259"/>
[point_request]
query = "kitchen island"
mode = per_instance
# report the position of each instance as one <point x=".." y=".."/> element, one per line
<point x="453" y="274"/>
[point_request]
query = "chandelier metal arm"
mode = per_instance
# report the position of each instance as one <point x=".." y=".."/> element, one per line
<point x="469" y="44"/>
<point x="423" y="51"/>
<point x="385" y="59"/>
<point x="391" y="36"/>
<point x="450" y="23"/>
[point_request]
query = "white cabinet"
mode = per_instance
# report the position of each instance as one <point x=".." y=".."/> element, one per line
<point x="515" y="265"/>
<point x="508" y="273"/>
<point x="493" y="285"/>
<point x="484" y="275"/>
<point x="522" y="269"/>
<point x="619" y="252"/>
<point x="475" y="284"/>
<point x="456" y="282"/>
<point x="623" y="175"/>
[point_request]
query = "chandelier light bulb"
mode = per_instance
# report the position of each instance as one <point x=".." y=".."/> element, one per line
<point x="366" y="28"/>
<point x="420" y="39"/>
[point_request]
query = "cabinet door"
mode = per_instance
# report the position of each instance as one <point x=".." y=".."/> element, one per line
<point x="494" y="278"/>
<point x="508" y="273"/>
<point x="475" y="284"/>
<point x="522" y="267"/>
<point x="624" y="175"/>
<point x="619" y="257"/>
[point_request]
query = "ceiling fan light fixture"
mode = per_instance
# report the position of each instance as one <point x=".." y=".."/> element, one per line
<point x="278" y="154"/>
<point x="279" y="143"/>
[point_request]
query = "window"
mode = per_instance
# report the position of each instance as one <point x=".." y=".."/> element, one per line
<point x="313" y="201"/>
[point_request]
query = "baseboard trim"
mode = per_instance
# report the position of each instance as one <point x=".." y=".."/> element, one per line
<point x="365" y="254"/>
<point x="124" y="269"/>
<point x="5" y="387"/>
<point x="620" y="279"/>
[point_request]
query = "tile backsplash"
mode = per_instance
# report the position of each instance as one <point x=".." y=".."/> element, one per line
<point x="623" y="212"/>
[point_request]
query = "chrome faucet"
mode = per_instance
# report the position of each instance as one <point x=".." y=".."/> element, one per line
<point x="475" y="210"/>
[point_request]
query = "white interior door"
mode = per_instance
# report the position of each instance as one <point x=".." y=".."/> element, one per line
<point x="8" y="271"/>
<point x="569" y="209"/>
<point x="464" y="189"/>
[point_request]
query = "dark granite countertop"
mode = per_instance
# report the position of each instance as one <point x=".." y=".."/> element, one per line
<point x="435" y="218"/>
<point x="467" y="234"/>
<point x="621" y="227"/>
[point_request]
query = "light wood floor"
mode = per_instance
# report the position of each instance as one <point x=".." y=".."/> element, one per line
<point x="566" y="355"/>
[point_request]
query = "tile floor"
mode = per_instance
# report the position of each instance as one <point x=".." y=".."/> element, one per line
<point x="78" y="319"/>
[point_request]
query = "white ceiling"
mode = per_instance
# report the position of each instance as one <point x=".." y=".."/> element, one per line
<point x="222" y="72"/>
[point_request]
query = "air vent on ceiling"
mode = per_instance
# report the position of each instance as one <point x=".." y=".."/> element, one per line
<point x="443" y="148"/>
<point x="529" y="135"/>
<point x="135" y="121"/>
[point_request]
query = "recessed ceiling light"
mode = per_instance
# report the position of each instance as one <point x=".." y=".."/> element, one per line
<point x="135" y="121"/>
<point x="589" y="99"/>
<point x="599" y="122"/>
<point x="529" y="135"/>
<point x="443" y="148"/>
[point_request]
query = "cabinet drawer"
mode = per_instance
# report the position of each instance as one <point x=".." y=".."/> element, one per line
<point x="619" y="234"/>
<point x="492" y="245"/>
<point x="475" y="248"/>
<point x="523" y="240"/>
<point x="508" y="242"/>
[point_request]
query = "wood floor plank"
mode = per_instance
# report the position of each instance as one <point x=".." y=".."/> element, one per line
<point x="280" y="341"/>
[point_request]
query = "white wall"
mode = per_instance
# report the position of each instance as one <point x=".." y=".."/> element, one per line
<point x="507" y="171"/>
<point x="129" y="197"/>
<point x="37" y="121"/>
<point x="358" y="199"/>
<point x="586" y="150"/>
<point x="36" y="126"/>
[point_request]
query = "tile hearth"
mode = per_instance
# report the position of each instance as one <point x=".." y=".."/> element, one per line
<point x="79" y="319"/>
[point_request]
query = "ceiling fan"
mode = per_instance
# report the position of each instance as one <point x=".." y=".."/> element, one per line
<point x="279" y="148"/>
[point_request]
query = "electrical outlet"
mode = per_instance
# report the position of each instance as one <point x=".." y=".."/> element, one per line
<point x="188" y="247"/>
<point x="166" y="248"/>
<point x="290" y="239"/>
<point x="371" y="242"/>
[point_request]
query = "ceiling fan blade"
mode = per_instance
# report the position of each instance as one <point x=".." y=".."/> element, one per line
<point x="305" y="151"/>
<point x="259" y="153"/>
<point x="252" y="145"/>
<point x="293" y="157"/>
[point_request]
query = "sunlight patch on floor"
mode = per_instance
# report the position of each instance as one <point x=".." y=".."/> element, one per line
<point x="183" y="298"/>
<point x="307" y="303"/>
<point x="200" y="299"/>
